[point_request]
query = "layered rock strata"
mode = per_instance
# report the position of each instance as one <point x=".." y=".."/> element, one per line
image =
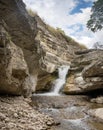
<point x="56" y="49"/>
<point x="19" y="58"/>
<point x="86" y="72"/>
<point x="30" y="50"/>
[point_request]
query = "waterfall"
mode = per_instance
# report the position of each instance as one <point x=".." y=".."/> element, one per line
<point x="58" y="83"/>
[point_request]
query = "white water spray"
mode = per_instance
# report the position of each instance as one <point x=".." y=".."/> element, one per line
<point x="58" y="83"/>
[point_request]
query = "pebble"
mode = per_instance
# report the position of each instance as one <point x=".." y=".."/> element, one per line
<point x="16" y="114"/>
<point x="2" y="116"/>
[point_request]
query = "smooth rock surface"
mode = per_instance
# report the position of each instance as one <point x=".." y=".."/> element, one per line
<point x="97" y="113"/>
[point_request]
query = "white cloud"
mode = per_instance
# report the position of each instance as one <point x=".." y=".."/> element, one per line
<point x="57" y="14"/>
<point x="90" y="0"/>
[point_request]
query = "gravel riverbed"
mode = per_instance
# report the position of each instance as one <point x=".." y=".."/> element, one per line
<point x="16" y="113"/>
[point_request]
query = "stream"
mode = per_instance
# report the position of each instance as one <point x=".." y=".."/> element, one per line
<point x="68" y="112"/>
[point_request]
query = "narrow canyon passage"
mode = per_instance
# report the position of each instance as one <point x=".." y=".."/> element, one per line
<point x="68" y="112"/>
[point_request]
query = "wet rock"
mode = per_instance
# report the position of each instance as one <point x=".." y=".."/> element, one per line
<point x="98" y="100"/>
<point x="97" y="113"/>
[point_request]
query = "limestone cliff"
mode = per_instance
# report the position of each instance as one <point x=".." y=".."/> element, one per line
<point x="56" y="49"/>
<point x="86" y="72"/>
<point x="29" y="50"/>
<point x="13" y="68"/>
<point x="19" y="58"/>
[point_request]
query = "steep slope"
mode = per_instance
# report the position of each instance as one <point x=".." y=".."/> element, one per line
<point x="30" y="50"/>
<point x="56" y="49"/>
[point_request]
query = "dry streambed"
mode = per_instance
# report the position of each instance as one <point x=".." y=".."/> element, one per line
<point x="17" y="114"/>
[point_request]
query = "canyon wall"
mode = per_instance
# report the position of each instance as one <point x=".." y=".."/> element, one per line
<point x="31" y="51"/>
<point x="86" y="72"/>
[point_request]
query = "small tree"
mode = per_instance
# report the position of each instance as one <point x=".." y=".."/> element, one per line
<point x="96" y="19"/>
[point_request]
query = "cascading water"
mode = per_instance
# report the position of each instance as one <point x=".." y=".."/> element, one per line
<point x="58" y="83"/>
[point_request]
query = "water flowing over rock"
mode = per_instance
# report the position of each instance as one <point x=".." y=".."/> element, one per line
<point x="29" y="51"/>
<point x="59" y="83"/>
<point x="55" y="50"/>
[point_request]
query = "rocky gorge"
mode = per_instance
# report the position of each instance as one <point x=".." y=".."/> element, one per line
<point x="30" y="54"/>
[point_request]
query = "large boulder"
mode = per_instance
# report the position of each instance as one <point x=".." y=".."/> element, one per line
<point x="14" y="70"/>
<point x="86" y="72"/>
<point x="22" y="29"/>
<point x="97" y="114"/>
<point x="21" y="48"/>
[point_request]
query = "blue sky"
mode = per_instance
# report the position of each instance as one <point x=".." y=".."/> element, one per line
<point x="69" y="15"/>
<point x="81" y="4"/>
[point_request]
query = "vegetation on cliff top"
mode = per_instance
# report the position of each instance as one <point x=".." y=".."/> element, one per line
<point x="57" y="32"/>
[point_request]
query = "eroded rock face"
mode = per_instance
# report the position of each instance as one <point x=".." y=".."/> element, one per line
<point x="55" y="51"/>
<point x="86" y="72"/>
<point x="21" y="28"/>
<point x="34" y="51"/>
<point x="55" y="48"/>
<point x="29" y="50"/>
<point x="20" y="74"/>
<point x="13" y="66"/>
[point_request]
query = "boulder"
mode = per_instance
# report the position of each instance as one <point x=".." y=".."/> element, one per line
<point x="22" y="56"/>
<point x="87" y="72"/>
<point x="13" y="66"/>
<point x="97" y="113"/>
<point x="98" y="100"/>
